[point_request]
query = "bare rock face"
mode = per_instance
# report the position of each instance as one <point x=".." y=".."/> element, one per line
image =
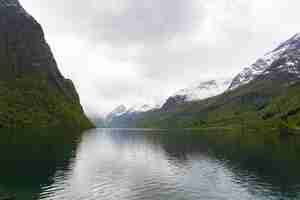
<point x="23" y="48"/>
<point x="174" y="101"/>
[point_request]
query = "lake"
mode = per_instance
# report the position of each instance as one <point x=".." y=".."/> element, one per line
<point x="136" y="164"/>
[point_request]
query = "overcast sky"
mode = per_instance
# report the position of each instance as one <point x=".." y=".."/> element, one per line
<point x="141" y="51"/>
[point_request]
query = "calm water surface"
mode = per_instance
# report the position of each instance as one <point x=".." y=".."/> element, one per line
<point x="106" y="164"/>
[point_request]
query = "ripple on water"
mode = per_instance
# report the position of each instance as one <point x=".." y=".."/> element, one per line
<point x="125" y="166"/>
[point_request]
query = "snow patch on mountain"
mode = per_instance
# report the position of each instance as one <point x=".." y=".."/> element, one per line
<point x="119" y="111"/>
<point x="204" y="90"/>
<point x="140" y="108"/>
<point x="122" y="110"/>
<point x="288" y="52"/>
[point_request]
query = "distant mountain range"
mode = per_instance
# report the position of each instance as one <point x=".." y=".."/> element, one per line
<point x="195" y="92"/>
<point x="265" y="94"/>
<point x="121" y="116"/>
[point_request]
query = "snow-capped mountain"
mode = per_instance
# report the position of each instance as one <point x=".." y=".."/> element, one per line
<point x="204" y="90"/>
<point x="283" y="63"/>
<point x="140" y="108"/>
<point x="122" y="111"/>
<point x="198" y="91"/>
<point x="118" y="111"/>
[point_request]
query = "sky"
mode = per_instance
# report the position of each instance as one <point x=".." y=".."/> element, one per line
<point x="136" y="52"/>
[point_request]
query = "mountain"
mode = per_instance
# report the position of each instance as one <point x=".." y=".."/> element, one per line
<point x="264" y="95"/>
<point x="122" y="110"/>
<point x="123" y="117"/>
<point x="196" y="92"/>
<point x="141" y="108"/>
<point x="33" y="92"/>
<point x="118" y="111"/>
<point x="281" y="63"/>
<point x="205" y="89"/>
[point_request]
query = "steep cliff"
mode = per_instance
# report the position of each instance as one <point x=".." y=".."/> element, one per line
<point x="33" y="92"/>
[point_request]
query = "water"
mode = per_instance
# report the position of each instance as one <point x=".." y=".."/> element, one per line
<point x="119" y="164"/>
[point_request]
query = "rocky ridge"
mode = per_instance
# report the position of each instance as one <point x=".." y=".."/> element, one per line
<point x="281" y="63"/>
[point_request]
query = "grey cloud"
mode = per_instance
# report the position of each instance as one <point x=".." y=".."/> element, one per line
<point x="150" y="21"/>
<point x="136" y="21"/>
<point x="199" y="60"/>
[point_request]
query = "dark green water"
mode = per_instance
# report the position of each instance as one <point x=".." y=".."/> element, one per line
<point x="108" y="164"/>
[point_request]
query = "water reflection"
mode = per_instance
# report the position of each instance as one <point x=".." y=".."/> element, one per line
<point x="30" y="159"/>
<point x="111" y="164"/>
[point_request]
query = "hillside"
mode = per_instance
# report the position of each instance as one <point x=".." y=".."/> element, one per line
<point x="33" y="92"/>
<point x="265" y="94"/>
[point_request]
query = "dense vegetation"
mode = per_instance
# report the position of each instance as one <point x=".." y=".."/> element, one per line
<point x="33" y="92"/>
<point x="258" y="105"/>
<point x="31" y="101"/>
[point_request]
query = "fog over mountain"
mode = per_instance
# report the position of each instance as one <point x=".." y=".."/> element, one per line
<point x="140" y="52"/>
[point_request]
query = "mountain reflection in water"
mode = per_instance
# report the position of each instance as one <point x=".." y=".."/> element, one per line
<point x="110" y="164"/>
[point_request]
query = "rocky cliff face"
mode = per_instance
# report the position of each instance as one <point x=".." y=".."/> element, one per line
<point x="23" y="48"/>
<point x="24" y="53"/>
<point x="174" y="101"/>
